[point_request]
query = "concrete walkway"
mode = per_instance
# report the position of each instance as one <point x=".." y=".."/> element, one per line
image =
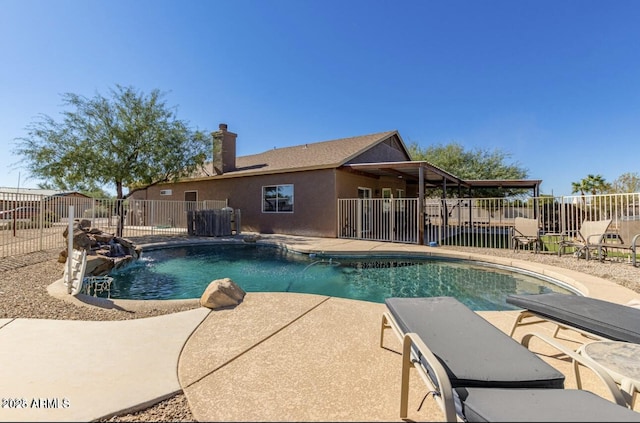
<point x="69" y="370"/>
<point x="274" y="357"/>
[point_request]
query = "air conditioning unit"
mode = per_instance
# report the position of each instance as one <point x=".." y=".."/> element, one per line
<point x="166" y="192"/>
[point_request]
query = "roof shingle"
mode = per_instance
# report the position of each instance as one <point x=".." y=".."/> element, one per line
<point x="319" y="155"/>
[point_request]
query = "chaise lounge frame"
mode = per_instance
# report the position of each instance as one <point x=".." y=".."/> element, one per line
<point x="432" y="368"/>
<point x="604" y="246"/>
<point x="591" y="317"/>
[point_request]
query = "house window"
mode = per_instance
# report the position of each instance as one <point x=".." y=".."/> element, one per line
<point x="277" y="199"/>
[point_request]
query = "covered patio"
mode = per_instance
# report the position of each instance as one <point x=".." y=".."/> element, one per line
<point x="426" y="218"/>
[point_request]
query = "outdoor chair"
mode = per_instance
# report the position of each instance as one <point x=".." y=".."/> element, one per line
<point x="475" y="372"/>
<point x="612" y="327"/>
<point x="526" y="232"/>
<point x="607" y="245"/>
<point x="591" y="317"/>
<point x="590" y="234"/>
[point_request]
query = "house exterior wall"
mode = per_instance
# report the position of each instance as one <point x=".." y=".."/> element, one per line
<point x="314" y="204"/>
<point x="315" y="198"/>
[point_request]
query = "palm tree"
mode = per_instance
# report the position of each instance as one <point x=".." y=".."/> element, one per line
<point x="592" y="184"/>
<point x="582" y="186"/>
<point x="597" y="184"/>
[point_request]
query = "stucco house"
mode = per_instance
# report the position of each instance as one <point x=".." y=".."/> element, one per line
<point x="295" y="190"/>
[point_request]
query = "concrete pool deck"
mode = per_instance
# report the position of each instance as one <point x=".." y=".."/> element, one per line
<point x="274" y="357"/>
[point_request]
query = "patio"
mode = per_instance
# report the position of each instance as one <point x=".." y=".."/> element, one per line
<point x="312" y="359"/>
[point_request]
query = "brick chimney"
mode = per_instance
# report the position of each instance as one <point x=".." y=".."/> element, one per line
<point x="224" y="150"/>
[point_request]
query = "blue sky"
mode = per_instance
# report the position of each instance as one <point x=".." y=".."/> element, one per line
<point x="554" y="84"/>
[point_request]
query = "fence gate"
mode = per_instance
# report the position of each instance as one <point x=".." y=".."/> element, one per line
<point x="211" y="222"/>
<point x="379" y="219"/>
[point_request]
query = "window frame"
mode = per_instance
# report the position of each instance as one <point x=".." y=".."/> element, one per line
<point x="278" y="197"/>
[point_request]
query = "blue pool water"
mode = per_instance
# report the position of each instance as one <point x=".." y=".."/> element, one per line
<point x="184" y="272"/>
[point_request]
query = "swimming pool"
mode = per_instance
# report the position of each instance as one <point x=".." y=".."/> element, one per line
<point x="183" y="272"/>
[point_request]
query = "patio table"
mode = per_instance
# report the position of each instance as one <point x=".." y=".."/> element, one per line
<point x="619" y="359"/>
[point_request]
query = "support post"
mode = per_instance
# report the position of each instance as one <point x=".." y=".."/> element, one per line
<point x="70" y="250"/>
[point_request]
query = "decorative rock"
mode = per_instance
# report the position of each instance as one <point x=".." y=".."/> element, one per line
<point x="102" y="237"/>
<point x="105" y="251"/>
<point x="81" y="240"/>
<point x="222" y="293"/>
<point x="98" y="265"/>
<point x="126" y="243"/>
<point x="84" y="224"/>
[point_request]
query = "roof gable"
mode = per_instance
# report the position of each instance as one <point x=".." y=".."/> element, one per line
<point x="391" y="149"/>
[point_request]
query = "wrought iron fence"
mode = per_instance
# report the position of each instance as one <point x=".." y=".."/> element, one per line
<point x="379" y="219"/>
<point x="486" y="222"/>
<point x="30" y="222"/>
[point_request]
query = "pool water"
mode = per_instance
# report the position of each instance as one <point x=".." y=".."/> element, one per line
<point x="184" y="272"/>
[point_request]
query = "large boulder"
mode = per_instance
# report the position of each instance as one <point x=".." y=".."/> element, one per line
<point x="98" y="265"/>
<point x="222" y="293"/>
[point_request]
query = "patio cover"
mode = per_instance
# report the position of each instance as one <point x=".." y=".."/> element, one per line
<point x="427" y="175"/>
